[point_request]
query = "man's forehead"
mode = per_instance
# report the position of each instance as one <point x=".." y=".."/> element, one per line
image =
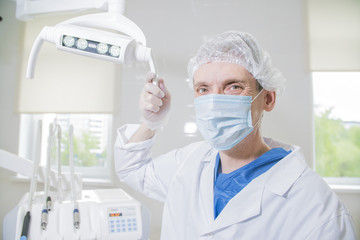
<point x="222" y="72"/>
<point x="222" y="67"/>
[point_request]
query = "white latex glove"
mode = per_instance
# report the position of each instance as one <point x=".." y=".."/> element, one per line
<point x="154" y="102"/>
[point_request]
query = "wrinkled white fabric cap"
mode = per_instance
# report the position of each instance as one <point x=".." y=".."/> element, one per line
<point x="239" y="48"/>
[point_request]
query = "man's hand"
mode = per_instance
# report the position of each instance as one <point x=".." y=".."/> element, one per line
<point x="154" y="103"/>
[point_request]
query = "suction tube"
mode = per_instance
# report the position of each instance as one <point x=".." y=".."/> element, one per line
<point x="26" y="224"/>
<point x="47" y="199"/>
<point x="76" y="213"/>
<point x="71" y="161"/>
<point x="36" y="164"/>
<point x="48" y="167"/>
<point x="58" y="159"/>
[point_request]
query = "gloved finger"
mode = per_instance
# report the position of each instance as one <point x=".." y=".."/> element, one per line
<point x="151" y="108"/>
<point x="155" y="90"/>
<point x="149" y="76"/>
<point x="163" y="87"/>
<point x="152" y="99"/>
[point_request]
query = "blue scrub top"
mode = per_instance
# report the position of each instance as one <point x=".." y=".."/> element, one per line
<point x="226" y="186"/>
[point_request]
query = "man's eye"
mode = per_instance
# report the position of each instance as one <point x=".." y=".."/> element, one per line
<point x="202" y="90"/>
<point x="234" y="87"/>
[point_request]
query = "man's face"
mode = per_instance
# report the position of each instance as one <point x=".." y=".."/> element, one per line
<point x="224" y="78"/>
<point x="229" y="78"/>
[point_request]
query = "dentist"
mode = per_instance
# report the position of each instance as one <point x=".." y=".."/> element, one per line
<point x="236" y="184"/>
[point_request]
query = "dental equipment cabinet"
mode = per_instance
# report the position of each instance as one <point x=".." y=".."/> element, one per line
<point x="70" y="212"/>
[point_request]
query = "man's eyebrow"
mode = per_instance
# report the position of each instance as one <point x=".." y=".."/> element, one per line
<point x="227" y="81"/>
<point x="234" y="80"/>
<point x="200" y="83"/>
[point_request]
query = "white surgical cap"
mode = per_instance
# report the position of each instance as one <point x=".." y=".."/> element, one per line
<point x="239" y="48"/>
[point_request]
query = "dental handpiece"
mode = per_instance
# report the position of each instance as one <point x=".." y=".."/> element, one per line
<point x="44" y="219"/>
<point x="76" y="215"/>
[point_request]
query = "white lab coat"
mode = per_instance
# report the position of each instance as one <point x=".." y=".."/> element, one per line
<point x="289" y="201"/>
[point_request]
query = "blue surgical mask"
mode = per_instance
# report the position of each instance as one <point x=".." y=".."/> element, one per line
<point x="224" y="120"/>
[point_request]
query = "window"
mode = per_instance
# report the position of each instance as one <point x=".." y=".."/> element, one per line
<point x="92" y="141"/>
<point x="337" y="125"/>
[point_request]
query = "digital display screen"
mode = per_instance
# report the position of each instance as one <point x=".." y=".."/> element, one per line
<point x="115" y="214"/>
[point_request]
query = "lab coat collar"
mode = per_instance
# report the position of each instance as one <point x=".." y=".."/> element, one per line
<point x="247" y="203"/>
<point x="291" y="167"/>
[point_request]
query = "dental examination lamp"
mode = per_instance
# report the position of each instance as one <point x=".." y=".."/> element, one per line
<point x="108" y="36"/>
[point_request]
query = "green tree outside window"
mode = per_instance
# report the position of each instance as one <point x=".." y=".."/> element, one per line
<point x="337" y="147"/>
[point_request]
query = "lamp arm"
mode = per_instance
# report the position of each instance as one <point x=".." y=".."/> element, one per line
<point x="27" y="9"/>
<point x="47" y="33"/>
<point x="112" y="21"/>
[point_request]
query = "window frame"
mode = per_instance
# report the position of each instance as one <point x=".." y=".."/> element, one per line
<point x="102" y="176"/>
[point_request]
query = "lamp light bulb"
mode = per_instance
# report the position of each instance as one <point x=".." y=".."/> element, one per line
<point x="114" y="51"/>
<point x="102" y="48"/>
<point x="68" y="41"/>
<point x="82" y="43"/>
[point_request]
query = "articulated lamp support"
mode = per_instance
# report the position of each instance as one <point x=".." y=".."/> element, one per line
<point x="126" y="44"/>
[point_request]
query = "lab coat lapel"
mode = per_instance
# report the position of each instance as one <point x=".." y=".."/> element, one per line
<point x="246" y="204"/>
<point x="207" y="189"/>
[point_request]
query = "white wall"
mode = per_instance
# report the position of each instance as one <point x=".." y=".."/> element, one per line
<point x="11" y="39"/>
<point x="174" y="30"/>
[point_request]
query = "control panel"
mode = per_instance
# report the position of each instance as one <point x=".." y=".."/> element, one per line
<point x="122" y="219"/>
